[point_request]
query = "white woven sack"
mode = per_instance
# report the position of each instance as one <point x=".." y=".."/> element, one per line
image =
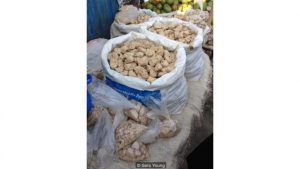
<point x="118" y="28"/>
<point x="173" y="15"/>
<point x="168" y="92"/>
<point x="194" y="53"/>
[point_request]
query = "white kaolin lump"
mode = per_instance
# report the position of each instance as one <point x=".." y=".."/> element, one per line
<point x="169" y="128"/>
<point x="138" y="113"/>
<point x="128" y="132"/>
<point x="134" y="152"/>
<point x="179" y="33"/>
<point x="143" y="59"/>
<point x="140" y="19"/>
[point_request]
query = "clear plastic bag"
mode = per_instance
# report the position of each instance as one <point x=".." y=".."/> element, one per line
<point x="104" y="158"/>
<point x="118" y="119"/>
<point x="157" y="108"/>
<point x="105" y="96"/>
<point x="94" y="115"/>
<point x="152" y="132"/>
<point x="101" y="141"/>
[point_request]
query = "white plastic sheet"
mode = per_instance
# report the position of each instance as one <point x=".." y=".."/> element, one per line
<point x="94" y="48"/>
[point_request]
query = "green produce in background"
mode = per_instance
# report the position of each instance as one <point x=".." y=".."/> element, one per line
<point x="176" y="2"/>
<point x="204" y="6"/>
<point x="144" y="5"/>
<point x="157" y="11"/>
<point x="170" y="2"/>
<point x="159" y="6"/>
<point x="185" y="1"/>
<point x="163" y="11"/>
<point x="180" y="8"/>
<point x="154" y="2"/>
<point x="149" y="6"/>
<point x="196" y="6"/>
<point x="210" y="3"/>
<point x="167" y="8"/>
<point x="207" y="5"/>
<point x="184" y="7"/>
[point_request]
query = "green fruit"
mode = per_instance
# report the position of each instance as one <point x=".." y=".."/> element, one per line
<point x="174" y="7"/>
<point x="210" y="3"/>
<point x="170" y="2"/>
<point x="151" y="1"/>
<point x="180" y="8"/>
<point x="145" y="4"/>
<point x="154" y="8"/>
<point x="204" y="6"/>
<point x="159" y="6"/>
<point x="196" y="6"/>
<point x="176" y="2"/>
<point x="167" y="8"/>
<point x="185" y="1"/>
<point x="157" y="11"/>
<point x="190" y="6"/>
<point x="163" y="1"/>
<point x="149" y="6"/>
<point x="184" y="7"/>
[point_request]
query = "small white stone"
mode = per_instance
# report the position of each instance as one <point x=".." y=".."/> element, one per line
<point x="135" y="145"/>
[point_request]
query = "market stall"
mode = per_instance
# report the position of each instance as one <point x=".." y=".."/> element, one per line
<point x="148" y="84"/>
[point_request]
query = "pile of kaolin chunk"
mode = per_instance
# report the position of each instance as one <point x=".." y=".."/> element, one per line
<point x="197" y="17"/>
<point x="143" y="59"/>
<point x="175" y="32"/>
<point x="140" y="19"/>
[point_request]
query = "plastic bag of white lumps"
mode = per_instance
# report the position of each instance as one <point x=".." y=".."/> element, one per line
<point x="151" y="133"/>
<point x="104" y="96"/>
<point x="101" y="142"/>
